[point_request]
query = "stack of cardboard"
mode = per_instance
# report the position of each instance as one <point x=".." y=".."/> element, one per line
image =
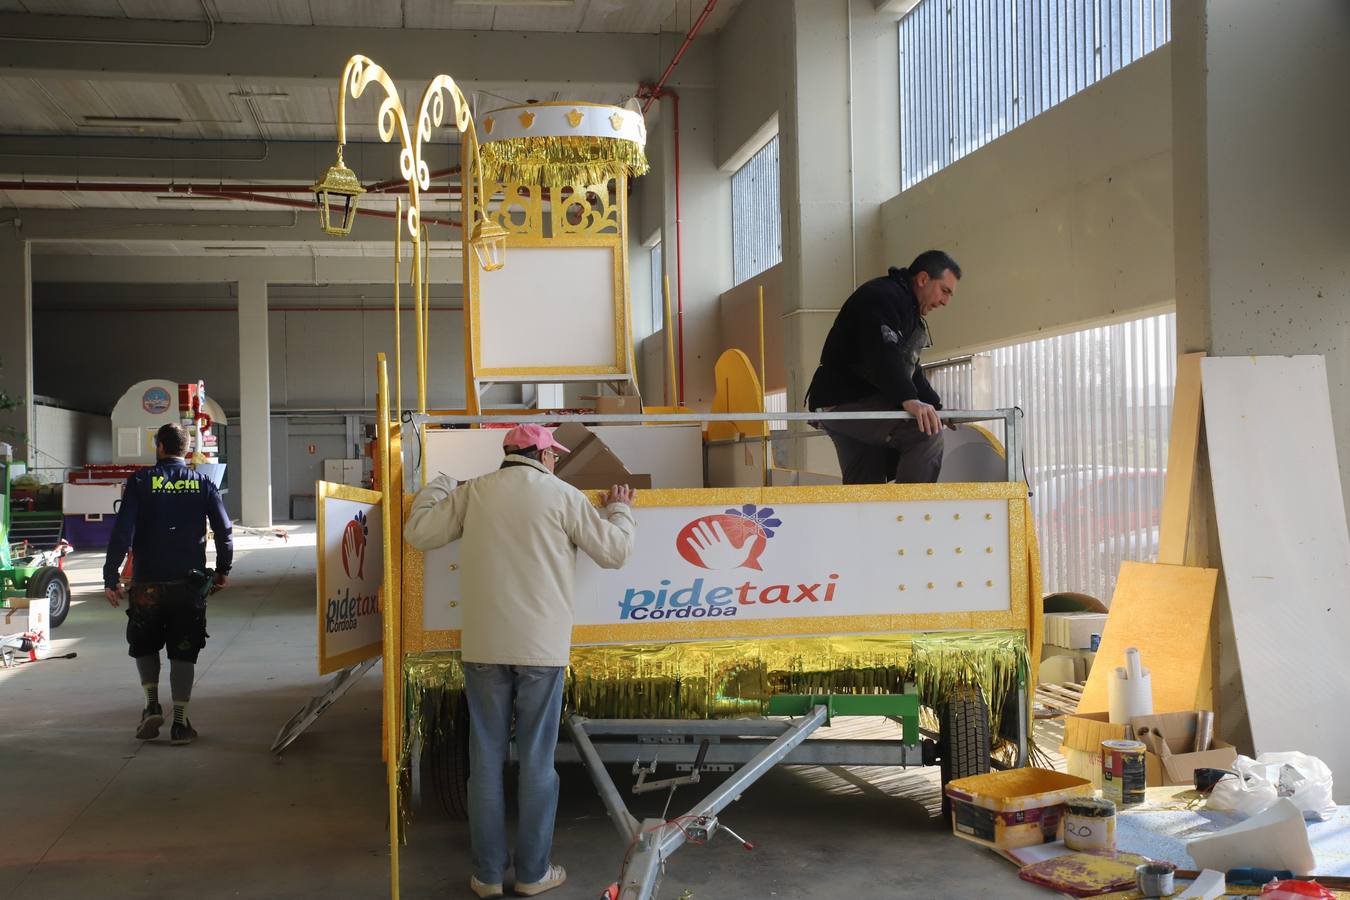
<point x="1169" y="737"/>
<point x="591" y="465"/>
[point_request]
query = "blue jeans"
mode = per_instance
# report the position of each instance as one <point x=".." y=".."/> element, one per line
<point x="534" y="695"/>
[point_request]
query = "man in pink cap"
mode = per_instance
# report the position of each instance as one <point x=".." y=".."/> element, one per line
<point x="521" y="528"/>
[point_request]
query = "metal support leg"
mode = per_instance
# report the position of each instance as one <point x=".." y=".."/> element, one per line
<point x="609" y="794"/>
<point x="641" y="872"/>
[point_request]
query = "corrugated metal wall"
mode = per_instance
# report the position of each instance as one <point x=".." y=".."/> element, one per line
<point x="972" y="70"/>
<point x="1098" y="407"/>
<point x="756" y="222"/>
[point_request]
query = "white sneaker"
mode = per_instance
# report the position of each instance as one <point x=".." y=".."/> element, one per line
<point x="486" y="891"/>
<point x="554" y="877"/>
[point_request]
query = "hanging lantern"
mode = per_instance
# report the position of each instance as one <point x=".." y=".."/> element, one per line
<point x="336" y="197"/>
<point x="489" y="245"/>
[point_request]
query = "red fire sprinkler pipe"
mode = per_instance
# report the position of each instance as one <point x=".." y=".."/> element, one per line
<point x="650" y="94"/>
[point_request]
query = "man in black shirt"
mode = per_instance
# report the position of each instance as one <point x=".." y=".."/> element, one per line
<point x="163" y="520"/>
<point x="871" y="362"/>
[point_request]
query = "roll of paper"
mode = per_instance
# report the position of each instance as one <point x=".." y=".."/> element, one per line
<point x="1204" y="730"/>
<point x="1129" y="696"/>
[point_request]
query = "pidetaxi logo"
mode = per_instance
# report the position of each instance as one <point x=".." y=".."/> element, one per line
<point x="730" y="540"/>
<point x="725" y="542"/>
<point x="354" y="538"/>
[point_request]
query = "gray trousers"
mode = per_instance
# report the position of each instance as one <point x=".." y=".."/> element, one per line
<point x="875" y="451"/>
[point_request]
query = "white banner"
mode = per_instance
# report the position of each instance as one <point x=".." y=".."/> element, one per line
<point x="350" y="568"/>
<point x="761" y="564"/>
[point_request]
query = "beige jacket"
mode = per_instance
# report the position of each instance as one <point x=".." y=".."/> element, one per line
<point x="521" y="527"/>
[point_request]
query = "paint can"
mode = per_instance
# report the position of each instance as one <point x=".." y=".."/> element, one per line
<point x="1154" y="879"/>
<point x="1089" y="824"/>
<point x="1123" y="774"/>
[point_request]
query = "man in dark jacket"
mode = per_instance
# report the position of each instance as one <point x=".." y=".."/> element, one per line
<point x="163" y="520"/>
<point x="871" y="362"/>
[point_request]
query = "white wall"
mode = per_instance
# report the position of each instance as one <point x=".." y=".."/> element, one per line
<point x="1063" y="222"/>
<point x="64" y="438"/>
<point x="320" y="359"/>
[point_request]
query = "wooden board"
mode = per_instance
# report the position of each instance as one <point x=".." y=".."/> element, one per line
<point x="1165" y="612"/>
<point x="1286" y="549"/>
<point x="1183" y="444"/>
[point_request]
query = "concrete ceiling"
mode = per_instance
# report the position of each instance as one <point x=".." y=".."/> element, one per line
<point x="231" y="92"/>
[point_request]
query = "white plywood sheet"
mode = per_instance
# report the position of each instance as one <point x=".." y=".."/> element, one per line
<point x="1286" y="550"/>
<point x="548" y="307"/>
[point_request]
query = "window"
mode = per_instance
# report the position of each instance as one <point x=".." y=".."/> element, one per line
<point x="972" y="70"/>
<point x="756" y="224"/>
<point x="1098" y="407"/>
<point x="658" y="289"/>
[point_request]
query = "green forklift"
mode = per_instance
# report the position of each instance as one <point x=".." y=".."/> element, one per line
<point x="28" y="573"/>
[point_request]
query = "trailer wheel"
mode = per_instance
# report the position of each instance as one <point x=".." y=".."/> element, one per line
<point x="449" y="760"/>
<point x="51" y="583"/>
<point x="963" y="740"/>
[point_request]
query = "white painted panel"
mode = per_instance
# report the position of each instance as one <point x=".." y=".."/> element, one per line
<point x="1286" y="549"/>
<point x="761" y="579"/>
<point x="90" y="499"/>
<point x="548" y="307"/>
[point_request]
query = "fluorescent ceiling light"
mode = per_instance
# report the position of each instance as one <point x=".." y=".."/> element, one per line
<point x="260" y="95"/>
<point x="132" y="121"/>
<point x="231" y="248"/>
<point x="190" y="197"/>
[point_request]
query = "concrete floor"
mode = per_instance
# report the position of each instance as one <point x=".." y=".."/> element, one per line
<point x="95" y="813"/>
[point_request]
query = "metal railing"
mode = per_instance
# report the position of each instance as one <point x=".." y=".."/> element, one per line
<point x="1010" y="417"/>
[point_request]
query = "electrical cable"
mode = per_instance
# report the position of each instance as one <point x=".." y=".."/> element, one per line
<point x="406" y="417"/>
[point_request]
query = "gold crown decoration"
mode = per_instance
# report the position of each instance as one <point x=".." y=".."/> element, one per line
<point x="563" y="143"/>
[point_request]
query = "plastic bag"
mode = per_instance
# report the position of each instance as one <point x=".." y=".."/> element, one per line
<point x="1259" y="782"/>
<point x="1296" y="890"/>
<point x="1242" y="792"/>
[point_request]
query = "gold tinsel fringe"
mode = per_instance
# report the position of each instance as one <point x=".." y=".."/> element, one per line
<point x="582" y="161"/>
<point x="725" y="679"/>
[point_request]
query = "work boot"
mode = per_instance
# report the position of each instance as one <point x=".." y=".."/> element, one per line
<point x="483" y="889"/>
<point x="151" y="718"/>
<point x="554" y="877"/>
<point x="182" y="734"/>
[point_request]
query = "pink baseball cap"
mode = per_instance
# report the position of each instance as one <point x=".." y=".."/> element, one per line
<point x="536" y="436"/>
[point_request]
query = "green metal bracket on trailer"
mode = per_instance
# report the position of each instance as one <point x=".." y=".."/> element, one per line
<point x="904" y="707"/>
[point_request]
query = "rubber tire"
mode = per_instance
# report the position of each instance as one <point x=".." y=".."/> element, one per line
<point x="963" y="742"/>
<point x="51" y="582"/>
<point x="448" y="757"/>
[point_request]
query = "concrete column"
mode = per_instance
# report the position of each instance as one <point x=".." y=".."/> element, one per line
<point x="1262" y="186"/>
<point x="253" y="469"/>
<point x="1262" y="238"/>
<point x="839" y="151"/>
<point x="16" y="340"/>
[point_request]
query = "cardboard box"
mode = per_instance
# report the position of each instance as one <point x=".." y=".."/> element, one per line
<point x="591" y="465"/>
<point x="1082" y="747"/>
<point x="1175" y="738"/>
<point x="616" y="404"/>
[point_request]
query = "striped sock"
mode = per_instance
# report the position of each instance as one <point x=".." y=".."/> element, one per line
<point x="151" y="693"/>
<point x="180" y="712"/>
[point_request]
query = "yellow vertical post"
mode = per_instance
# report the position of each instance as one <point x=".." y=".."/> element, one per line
<point x="418" y="300"/>
<point x="672" y="386"/>
<point x="392" y="664"/>
<point x="765" y="445"/>
<point x="468" y="213"/>
<point x="398" y="331"/>
<point x="426" y="294"/>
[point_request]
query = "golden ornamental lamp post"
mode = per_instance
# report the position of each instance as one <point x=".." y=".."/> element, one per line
<point x="339" y="191"/>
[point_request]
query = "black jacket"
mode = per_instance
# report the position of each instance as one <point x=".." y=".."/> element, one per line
<point x="873" y="348"/>
<point x="163" y="519"/>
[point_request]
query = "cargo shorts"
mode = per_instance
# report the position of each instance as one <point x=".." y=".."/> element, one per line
<point x="168" y="614"/>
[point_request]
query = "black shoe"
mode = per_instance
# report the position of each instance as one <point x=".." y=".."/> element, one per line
<point x="151" y="718"/>
<point x="182" y="734"/>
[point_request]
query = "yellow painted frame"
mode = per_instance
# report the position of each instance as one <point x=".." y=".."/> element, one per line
<point x="323" y="491"/>
<point x="1019" y="615"/>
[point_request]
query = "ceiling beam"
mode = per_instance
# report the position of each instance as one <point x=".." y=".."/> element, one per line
<point x="210" y="270"/>
<point x="157" y="158"/>
<point x="196" y="226"/>
<point x="282" y="54"/>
